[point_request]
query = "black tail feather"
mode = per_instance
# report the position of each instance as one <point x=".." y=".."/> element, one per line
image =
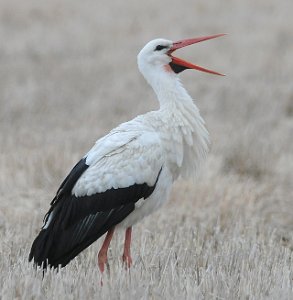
<point x="40" y="248"/>
<point x="56" y="247"/>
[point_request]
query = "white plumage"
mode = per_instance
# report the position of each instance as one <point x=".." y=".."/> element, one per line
<point x="132" y="168"/>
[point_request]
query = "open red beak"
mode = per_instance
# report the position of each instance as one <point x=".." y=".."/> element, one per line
<point x="178" y="64"/>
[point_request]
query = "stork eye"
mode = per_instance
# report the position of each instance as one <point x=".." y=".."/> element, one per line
<point x="160" y="47"/>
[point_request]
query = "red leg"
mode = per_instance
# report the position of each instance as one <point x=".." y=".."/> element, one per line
<point x="126" y="254"/>
<point x="102" y="256"/>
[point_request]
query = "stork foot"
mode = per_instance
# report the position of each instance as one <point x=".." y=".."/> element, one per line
<point x="127" y="260"/>
<point x="102" y="256"/>
<point x="126" y="257"/>
<point x="102" y="260"/>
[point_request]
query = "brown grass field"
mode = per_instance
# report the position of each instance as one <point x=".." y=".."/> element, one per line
<point x="68" y="75"/>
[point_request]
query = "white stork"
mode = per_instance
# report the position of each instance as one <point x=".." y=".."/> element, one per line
<point x="128" y="173"/>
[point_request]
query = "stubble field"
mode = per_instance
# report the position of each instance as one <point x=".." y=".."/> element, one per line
<point x="68" y="75"/>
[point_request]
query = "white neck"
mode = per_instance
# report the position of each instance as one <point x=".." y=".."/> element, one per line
<point x="185" y="136"/>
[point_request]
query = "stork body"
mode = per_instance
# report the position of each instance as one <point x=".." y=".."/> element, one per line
<point x="128" y="174"/>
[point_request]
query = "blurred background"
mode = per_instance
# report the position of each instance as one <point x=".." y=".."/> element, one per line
<point x="68" y="75"/>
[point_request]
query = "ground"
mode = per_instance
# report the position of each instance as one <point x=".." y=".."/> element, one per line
<point x="68" y="75"/>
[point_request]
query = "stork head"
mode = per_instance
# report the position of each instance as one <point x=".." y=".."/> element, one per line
<point x="156" y="57"/>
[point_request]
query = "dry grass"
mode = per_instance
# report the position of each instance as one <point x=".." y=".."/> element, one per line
<point x="68" y="74"/>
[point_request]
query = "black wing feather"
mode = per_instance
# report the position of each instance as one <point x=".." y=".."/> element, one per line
<point x="76" y="222"/>
<point x="81" y="235"/>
